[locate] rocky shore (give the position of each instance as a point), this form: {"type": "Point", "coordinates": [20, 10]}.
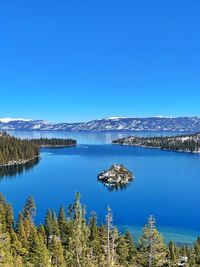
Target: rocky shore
{"type": "Point", "coordinates": [18, 162]}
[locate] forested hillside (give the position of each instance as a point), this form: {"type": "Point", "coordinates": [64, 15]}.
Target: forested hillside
{"type": "Point", "coordinates": [187, 143]}
{"type": "Point", "coordinates": [71, 241]}
{"type": "Point", "coordinates": [54, 142]}
{"type": "Point", "coordinates": [15, 150]}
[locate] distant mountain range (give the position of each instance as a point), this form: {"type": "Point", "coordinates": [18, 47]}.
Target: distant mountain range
{"type": "Point", "coordinates": [167, 124]}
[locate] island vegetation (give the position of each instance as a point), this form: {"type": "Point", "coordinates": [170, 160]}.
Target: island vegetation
{"type": "Point", "coordinates": [16, 151]}
{"type": "Point", "coordinates": [72, 241]}
{"type": "Point", "coordinates": [115, 177]}
{"type": "Point", "coordinates": [182, 143]}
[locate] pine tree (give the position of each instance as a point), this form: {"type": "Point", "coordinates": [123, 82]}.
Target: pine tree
{"type": "Point", "coordinates": [41, 232]}
{"type": "Point", "coordinates": [43, 253]}
{"type": "Point", "coordinates": [21, 234]}
{"type": "Point", "coordinates": [114, 246]}
{"type": "Point", "coordinates": [9, 217]}
{"type": "Point", "coordinates": [192, 259]}
{"type": "Point", "coordinates": [2, 200]}
{"type": "Point", "coordinates": [123, 251]}
{"type": "Point", "coordinates": [6, 259]}
{"type": "Point", "coordinates": [48, 225]}
{"type": "Point", "coordinates": [72, 242]}
{"type": "Point", "coordinates": [56, 250]}
{"type": "Point", "coordinates": [32, 247]}
{"type": "Point", "coordinates": [110, 244]}
{"type": "Point", "coordinates": [197, 251]}
{"type": "Point", "coordinates": [109, 219]}
{"type": "Point", "coordinates": [151, 249]}
{"type": "Point", "coordinates": [55, 230]}
{"type": "Point", "coordinates": [29, 210]}
{"type": "Point", "coordinates": [78, 249]}
{"type": "Point", "coordinates": [3, 218]}
{"type": "Point", "coordinates": [18, 252]}
{"type": "Point", "coordinates": [38, 254]}
{"type": "Point", "coordinates": [62, 224]}
{"type": "Point", "coordinates": [131, 247]}
{"type": "Point", "coordinates": [94, 240]}
{"type": "Point", "coordinates": [103, 242]}
{"type": "Point", "coordinates": [173, 253]}
{"type": "Point", "coordinates": [28, 225]}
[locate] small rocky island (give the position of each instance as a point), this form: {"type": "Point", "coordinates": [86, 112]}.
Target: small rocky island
{"type": "Point", "coordinates": [116, 176]}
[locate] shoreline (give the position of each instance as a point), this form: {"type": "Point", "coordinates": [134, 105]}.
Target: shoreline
{"type": "Point", "coordinates": [156, 147]}
{"type": "Point", "coordinates": [20, 162]}
{"type": "Point", "coordinates": [57, 146]}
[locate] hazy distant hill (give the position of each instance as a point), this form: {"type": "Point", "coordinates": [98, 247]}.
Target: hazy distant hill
{"type": "Point", "coordinates": [179, 124]}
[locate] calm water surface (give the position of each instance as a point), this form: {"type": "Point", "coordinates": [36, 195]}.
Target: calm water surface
{"type": "Point", "coordinates": [166, 184]}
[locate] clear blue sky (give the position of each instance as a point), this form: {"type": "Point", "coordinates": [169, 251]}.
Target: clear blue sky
{"type": "Point", "coordinates": [79, 60]}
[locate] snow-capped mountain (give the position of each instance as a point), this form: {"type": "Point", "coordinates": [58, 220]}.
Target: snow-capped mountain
{"type": "Point", "coordinates": [179, 124]}
{"type": "Point", "coordinates": [6, 120]}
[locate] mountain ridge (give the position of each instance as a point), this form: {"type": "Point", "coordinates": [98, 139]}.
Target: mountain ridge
{"type": "Point", "coordinates": [156, 123]}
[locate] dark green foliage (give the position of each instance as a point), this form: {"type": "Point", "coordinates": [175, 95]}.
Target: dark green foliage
{"type": "Point", "coordinates": [131, 247]}
{"type": "Point", "coordinates": [197, 251]}
{"type": "Point", "coordinates": [14, 150]}
{"type": "Point", "coordinates": [21, 234]}
{"type": "Point", "coordinates": [41, 232]}
{"type": "Point", "coordinates": [94, 239]}
{"type": "Point", "coordinates": [72, 242]}
{"type": "Point", "coordinates": [54, 142]}
{"type": "Point", "coordinates": [173, 252]}
{"type": "Point", "coordinates": [29, 210]}
{"type": "Point", "coordinates": [56, 252]}
{"type": "Point", "coordinates": [63, 226]}
{"type": "Point", "coordinates": [48, 225]}
{"type": "Point", "coordinates": [151, 248]}
{"type": "Point", "coordinates": [38, 254]}
{"type": "Point", "coordinates": [9, 218]}
{"type": "Point", "coordinates": [188, 143]}
{"type": "Point", "coordinates": [78, 250]}
{"type": "Point", "coordinates": [123, 251]}
{"type": "Point", "coordinates": [55, 228]}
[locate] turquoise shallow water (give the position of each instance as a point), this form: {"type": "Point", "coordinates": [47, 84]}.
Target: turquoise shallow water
{"type": "Point", "coordinates": [166, 184]}
{"type": "Point", "coordinates": [175, 234]}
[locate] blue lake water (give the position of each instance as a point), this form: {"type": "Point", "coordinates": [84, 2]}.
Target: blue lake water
{"type": "Point", "coordinates": [166, 183]}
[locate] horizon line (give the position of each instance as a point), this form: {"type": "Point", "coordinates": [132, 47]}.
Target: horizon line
{"type": "Point", "coordinates": [9, 119]}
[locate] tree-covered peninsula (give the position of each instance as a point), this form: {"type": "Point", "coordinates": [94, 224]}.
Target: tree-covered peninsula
{"type": "Point", "coordinates": [182, 143]}
{"type": "Point", "coordinates": [54, 142]}
{"type": "Point", "coordinates": [69, 240]}
{"type": "Point", "coordinates": [15, 151]}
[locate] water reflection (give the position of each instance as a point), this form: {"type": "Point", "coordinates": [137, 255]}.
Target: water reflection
{"type": "Point", "coordinates": [116, 187]}
{"type": "Point", "coordinates": [87, 137]}
{"type": "Point", "coordinates": [13, 170]}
